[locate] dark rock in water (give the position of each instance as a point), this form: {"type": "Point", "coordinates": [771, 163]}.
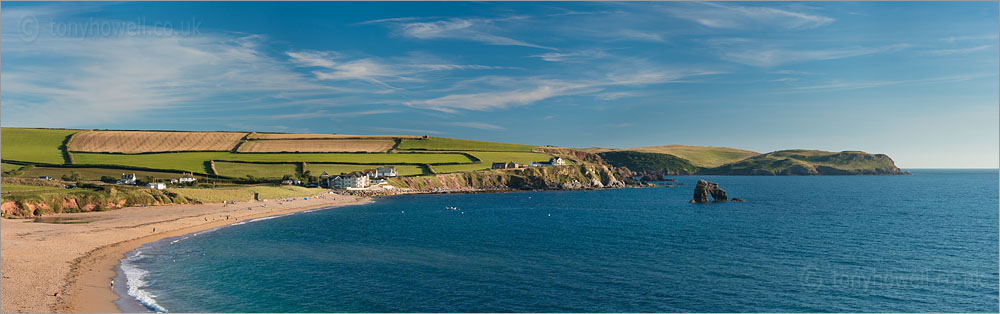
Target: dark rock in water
{"type": "Point", "coordinates": [704, 188]}
{"type": "Point", "coordinates": [737, 200]}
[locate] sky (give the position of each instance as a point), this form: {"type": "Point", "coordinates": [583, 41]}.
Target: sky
{"type": "Point", "coordinates": [917, 81]}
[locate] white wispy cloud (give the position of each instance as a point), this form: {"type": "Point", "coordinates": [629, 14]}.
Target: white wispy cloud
{"type": "Point", "coordinates": [380, 71]}
{"type": "Point", "coordinates": [770, 54]}
{"type": "Point", "coordinates": [94, 80]}
{"type": "Point", "coordinates": [854, 85]}
{"type": "Point", "coordinates": [323, 114]}
{"type": "Point", "coordinates": [471, 29]}
{"type": "Point", "coordinates": [943, 52]}
{"type": "Point", "coordinates": [990, 37]}
{"type": "Point", "coordinates": [525, 91]}
{"type": "Point", "coordinates": [478, 125]}
{"type": "Point", "coordinates": [403, 130]}
{"type": "Point", "coordinates": [730, 16]}
{"type": "Point", "coordinates": [574, 56]}
{"type": "Point", "coordinates": [489, 100]}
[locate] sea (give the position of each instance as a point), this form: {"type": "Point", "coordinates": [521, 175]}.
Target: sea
{"type": "Point", "coordinates": [926, 242]}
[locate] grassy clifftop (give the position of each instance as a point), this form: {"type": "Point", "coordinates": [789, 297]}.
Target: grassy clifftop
{"type": "Point", "coordinates": [810, 162]}
{"type": "Point", "coordinates": [700, 156]}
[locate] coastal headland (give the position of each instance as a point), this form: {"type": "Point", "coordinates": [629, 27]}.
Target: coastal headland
{"type": "Point", "coordinates": [74, 255]}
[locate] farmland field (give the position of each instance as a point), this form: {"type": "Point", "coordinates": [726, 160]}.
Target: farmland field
{"type": "Point", "coordinates": [9, 167]}
{"type": "Point", "coordinates": [15, 188]}
{"type": "Point", "coordinates": [219, 195]}
{"type": "Point", "coordinates": [489, 158]}
{"type": "Point", "coordinates": [195, 161]}
{"type": "Point", "coordinates": [33, 145]}
{"type": "Point", "coordinates": [145, 142]}
{"type": "Point", "coordinates": [317, 145]}
{"type": "Point", "coordinates": [444, 143]}
{"type": "Point", "coordinates": [94, 173]}
{"type": "Point", "coordinates": [322, 136]}
{"type": "Point", "coordinates": [337, 169]}
{"type": "Point", "coordinates": [236, 169]}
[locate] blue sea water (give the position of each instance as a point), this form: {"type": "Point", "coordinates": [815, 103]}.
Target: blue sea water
{"type": "Point", "coordinates": [921, 243]}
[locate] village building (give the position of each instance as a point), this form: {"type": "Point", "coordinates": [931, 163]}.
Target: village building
{"type": "Point", "coordinates": [384, 172]}
{"type": "Point", "coordinates": [187, 178]}
{"type": "Point", "coordinates": [554, 161]}
{"type": "Point", "coordinates": [156, 185]}
{"type": "Point", "coordinates": [127, 178]}
{"type": "Point", "coordinates": [351, 181]}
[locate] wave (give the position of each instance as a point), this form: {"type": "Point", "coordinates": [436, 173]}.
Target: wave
{"type": "Point", "coordinates": [135, 281]}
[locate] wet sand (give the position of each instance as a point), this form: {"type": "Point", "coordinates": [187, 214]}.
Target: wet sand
{"type": "Point", "coordinates": [78, 260]}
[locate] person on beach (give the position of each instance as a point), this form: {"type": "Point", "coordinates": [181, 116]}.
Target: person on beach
{"type": "Point", "coordinates": [112, 284]}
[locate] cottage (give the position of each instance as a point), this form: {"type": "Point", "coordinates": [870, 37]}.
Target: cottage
{"type": "Point", "coordinates": [156, 185]}
{"type": "Point", "coordinates": [187, 178]}
{"type": "Point", "coordinates": [384, 172]}
{"type": "Point", "coordinates": [127, 179]}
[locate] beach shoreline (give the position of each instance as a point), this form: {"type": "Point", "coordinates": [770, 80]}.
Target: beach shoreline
{"type": "Point", "coordinates": [79, 260]}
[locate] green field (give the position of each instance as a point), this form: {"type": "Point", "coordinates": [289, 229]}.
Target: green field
{"type": "Point", "coordinates": [94, 173]}
{"type": "Point", "coordinates": [701, 156]}
{"type": "Point", "coordinates": [453, 144]}
{"type": "Point", "coordinates": [196, 161]}
{"type": "Point", "coordinates": [33, 145]}
{"type": "Point", "coordinates": [236, 169]}
{"type": "Point", "coordinates": [9, 167]}
{"type": "Point", "coordinates": [337, 169]}
{"type": "Point", "coordinates": [219, 195]}
{"type": "Point", "coordinates": [16, 188]}
{"type": "Point", "coordinates": [489, 158]}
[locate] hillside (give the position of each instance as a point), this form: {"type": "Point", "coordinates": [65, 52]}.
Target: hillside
{"type": "Point", "coordinates": [649, 162]}
{"type": "Point", "coordinates": [810, 162]}
{"type": "Point", "coordinates": [701, 156]}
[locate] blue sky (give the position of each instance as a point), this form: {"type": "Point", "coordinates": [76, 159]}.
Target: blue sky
{"type": "Point", "coordinates": [917, 81]}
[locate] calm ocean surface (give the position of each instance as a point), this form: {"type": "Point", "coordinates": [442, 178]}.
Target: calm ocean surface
{"type": "Point", "coordinates": [921, 243]}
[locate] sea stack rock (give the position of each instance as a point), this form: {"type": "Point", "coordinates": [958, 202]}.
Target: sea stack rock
{"type": "Point", "coordinates": [704, 188]}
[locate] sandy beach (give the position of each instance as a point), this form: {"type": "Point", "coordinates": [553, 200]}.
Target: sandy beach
{"type": "Point", "coordinates": [77, 261]}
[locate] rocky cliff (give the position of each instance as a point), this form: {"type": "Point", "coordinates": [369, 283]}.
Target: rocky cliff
{"type": "Point", "coordinates": [570, 177]}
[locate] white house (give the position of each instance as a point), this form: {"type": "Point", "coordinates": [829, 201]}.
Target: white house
{"type": "Point", "coordinates": [354, 180]}
{"type": "Point", "coordinates": [554, 161]}
{"type": "Point", "coordinates": [156, 185]}
{"type": "Point", "coordinates": [127, 179]}
{"type": "Point", "coordinates": [388, 171]}
{"type": "Point", "coordinates": [187, 178]}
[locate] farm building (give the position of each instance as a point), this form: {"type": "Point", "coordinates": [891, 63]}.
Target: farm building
{"type": "Point", "coordinates": [127, 178]}
{"type": "Point", "coordinates": [156, 185]}
{"type": "Point", "coordinates": [354, 181]}
{"type": "Point", "coordinates": [554, 161]}
{"type": "Point", "coordinates": [507, 165]}
{"type": "Point", "coordinates": [187, 178]}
